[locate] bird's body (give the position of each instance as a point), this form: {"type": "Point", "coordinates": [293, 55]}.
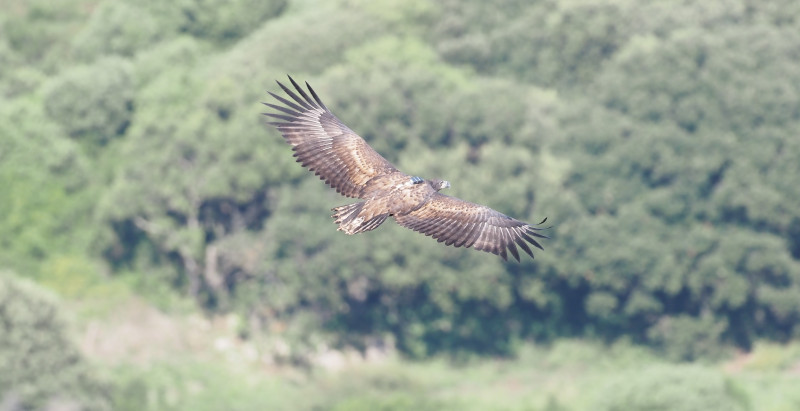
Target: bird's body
{"type": "Point", "coordinates": [390, 195]}
{"type": "Point", "coordinates": [341, 158]}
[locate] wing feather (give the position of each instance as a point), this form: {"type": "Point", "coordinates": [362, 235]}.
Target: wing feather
{"type": "Point", "coordinates": [294, 97]}
{"type": "Point", "coordinates": [528, 238]}
{"type": "Point", "coordinates": [323, 144]}
{"type": "Point", "coordinates": [524, 246]}
{"type": "Point", "coordinates": [282, 108]}
{"type": "Point", "coordinates": [316, 97]}
{"type": "Point", "coordinates": [288, 103]}
{"type": "Point", "coordinates": [470, 234]}
{"type": "Point", "coordinates": [460, 223]}
{"type": "Point", "coordinates": [280, 116]}
{"type": "Point", "coordinates": [512, 247]}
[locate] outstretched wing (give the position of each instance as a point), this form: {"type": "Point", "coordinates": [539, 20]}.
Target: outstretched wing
{"type": "Point", "coordinates": [324, 144]}
{"type": "Point", "coordinates": [460, 223]}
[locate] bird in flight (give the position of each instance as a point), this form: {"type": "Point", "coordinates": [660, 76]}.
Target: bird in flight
{"type": "Point", "coordinates": [334, 152]}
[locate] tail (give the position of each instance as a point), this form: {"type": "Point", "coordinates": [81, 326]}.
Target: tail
{"type": "Point", "coordinates": [349, 221]}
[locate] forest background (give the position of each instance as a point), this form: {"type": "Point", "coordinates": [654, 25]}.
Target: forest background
{"type": "Point", "coordinates": [160, 248]}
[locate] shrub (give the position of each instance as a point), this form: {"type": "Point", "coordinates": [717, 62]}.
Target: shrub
{"type": "Point", "coordinates": [116, 28]}
{"type": "Point", "coordinates": [39, 363]}
{"type": "Point", "coordinates": [688, 338]}
{"type": "Point", "coordinates": [92, 102]}
{"type": "Point", "coordinates": [685, 388]}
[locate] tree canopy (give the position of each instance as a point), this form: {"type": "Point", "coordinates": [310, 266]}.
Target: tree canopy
{"type": "Point", "coordinates": [659, 138]}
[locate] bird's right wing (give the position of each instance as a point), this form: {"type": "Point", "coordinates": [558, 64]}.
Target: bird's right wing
{"type": "Point", "coordinates": [324, 145]}
{"type": "Point", "coordinates": [460, 223]}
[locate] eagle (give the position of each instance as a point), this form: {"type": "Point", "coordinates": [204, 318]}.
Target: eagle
{"type": "Point", "coordinates": [340, 157]}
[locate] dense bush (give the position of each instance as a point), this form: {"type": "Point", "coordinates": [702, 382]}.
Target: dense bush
{"type": "Point", "coordinates": [40, 31]}
{"type": "Point", "coordinates": [94, 102]}
{"type": "Point", "coordinates": [40, 365]}
{"type": "Point", "coordinates": [658, 138]}
{"type": "Point", "coordinates": [225, 20]}
{"type": "Point", "coordinates": [46, 201]}
{"type": "Point", "coordinates": [117, 28]}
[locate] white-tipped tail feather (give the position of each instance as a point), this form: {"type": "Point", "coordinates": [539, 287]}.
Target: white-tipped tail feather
{"type": "Point", "coordinates": [349, 220]}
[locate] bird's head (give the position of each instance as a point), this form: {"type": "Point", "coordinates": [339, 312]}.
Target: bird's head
{"type": "Point", "coordinates": [439, 184]}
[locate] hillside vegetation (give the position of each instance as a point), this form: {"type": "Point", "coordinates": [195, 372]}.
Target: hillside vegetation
{"type": "Point", "coordinates": [659, 138]}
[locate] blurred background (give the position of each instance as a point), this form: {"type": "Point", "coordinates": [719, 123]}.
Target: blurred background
{"type": "Point", "coordinates": [161, 250]}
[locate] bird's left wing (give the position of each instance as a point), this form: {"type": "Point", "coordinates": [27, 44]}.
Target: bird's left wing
{"type": "Point", "coordinates": [460, 223]}
{"type": "Point", "coordinates": [324, 144]}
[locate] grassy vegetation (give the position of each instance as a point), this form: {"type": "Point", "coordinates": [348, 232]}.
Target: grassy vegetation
{"type": "Point", "coordinates": [568, 375]}
{"type": "Point", "coordinates": [174, 358]}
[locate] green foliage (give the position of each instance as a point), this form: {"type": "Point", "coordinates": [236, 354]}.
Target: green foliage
{"type": "Point", "coordinates": [387, 403]}
{"type": "Point", "coordinates": [128, 27]}
{"type": "Point", "coordinates": [545, 42]}
{"type": "Point", "coordinates": [225, 20]}
{"type": "Point", "coordinates": [182, 384]}
{"type": "Point", "coordinates": [40, 31]}
{"type": "Point", "coordinates": [685, 338]}
{"type": "Point", "coordinates": [712, 77]}
{"type": "Point", "coordinates": [569, 374]}
{"type": "Point", "coordinates": [658, 139]}
{"type": "Point", "coordinates": [45, 191]}
{"type": "Point", "coordinates": [674, 388]}
{"type": "Point", "coordinates": [319, 38]}
{"type": "Point", "coordinates": [117, 28]}
{"type": "Point", "coordinates": [149, 64]}
{"type": "Point", "coordinates": [93, 103]}
{"type": "Point", "coordinates": [40, 363]}
{"type": "Point", "coordinates": [9, 59]}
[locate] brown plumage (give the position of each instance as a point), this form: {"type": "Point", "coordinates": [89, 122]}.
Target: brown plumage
{"type": "Point", "coordinates": [323, 144]}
